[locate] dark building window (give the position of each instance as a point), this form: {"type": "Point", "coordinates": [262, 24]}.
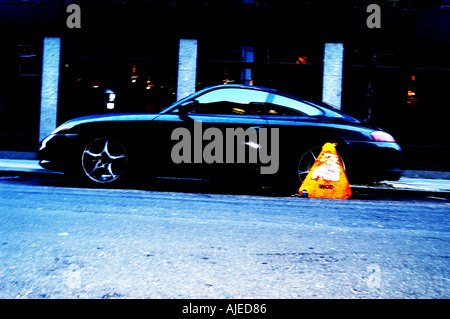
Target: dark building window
{"type": "Point", "coordinates": [142, 77]}
{"type": "Point", "coordinates": [20, 62]}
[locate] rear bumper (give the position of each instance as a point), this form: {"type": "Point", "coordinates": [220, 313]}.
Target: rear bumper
{"type": "Point", "coordinates": [374, 160]}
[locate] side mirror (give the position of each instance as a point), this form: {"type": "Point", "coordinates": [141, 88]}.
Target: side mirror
{"type": "Point", "coordinates": [186, 107]}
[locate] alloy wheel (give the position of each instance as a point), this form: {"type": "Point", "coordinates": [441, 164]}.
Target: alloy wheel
{"type": "Point", "coordinates": [104, 160]}
{"type": "Point", "coordinates": [307, 161]}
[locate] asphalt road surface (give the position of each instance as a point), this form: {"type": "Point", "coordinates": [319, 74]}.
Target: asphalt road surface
{"type": "Point", "coordinates": [60, 241]}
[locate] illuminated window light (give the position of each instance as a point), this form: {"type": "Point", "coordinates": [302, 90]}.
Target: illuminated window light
{"type": "Point", "coordinates": [412, 86]}
{"type": "Point", "coordinates": [302, 60]}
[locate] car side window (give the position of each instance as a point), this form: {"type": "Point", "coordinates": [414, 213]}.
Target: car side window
{"type": "Point", "coordinates": [230, 101]}
{"type": "Point", "coordinates": [277, 110]}
{"type": "Point", "coordinates": [283, 105]}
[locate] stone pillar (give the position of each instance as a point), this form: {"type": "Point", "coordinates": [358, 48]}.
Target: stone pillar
{"type": "Point", "coordinates": [51, 54]}
{"type": "Point", "coordinates": [247, 56]}
{"type": "Point", "coordinates": [332, 74]}
{"type": "Point", "coordinates": [187, 68]}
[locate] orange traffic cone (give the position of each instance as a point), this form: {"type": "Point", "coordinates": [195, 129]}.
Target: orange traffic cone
{"type": "Point", "coordinates": [326, 179]}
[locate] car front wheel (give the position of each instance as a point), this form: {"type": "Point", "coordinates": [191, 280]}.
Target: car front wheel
{"type": "Point", "coordinates": [104, 161]}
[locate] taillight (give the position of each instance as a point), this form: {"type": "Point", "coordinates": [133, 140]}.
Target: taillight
{"type": "Point", "coordinates": [381, 136]}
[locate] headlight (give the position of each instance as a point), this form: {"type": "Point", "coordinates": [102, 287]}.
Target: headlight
{"type": "Point", "coordinates": [64, 128]}
{"type": "Point", "coordinates": [61, 129]}
{"type": "Point", "coordinates": [44, 141]}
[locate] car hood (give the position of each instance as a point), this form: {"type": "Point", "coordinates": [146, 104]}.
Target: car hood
{"type": "Point", "coordinates": [113, 117]}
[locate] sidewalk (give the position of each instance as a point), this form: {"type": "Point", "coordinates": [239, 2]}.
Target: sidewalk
{"type": "Point", "coordinates": [408, 186]}
{"type": "Point", "coordinates": [413, 183]}
{"type": "Point", "coordinates": [23, 167]}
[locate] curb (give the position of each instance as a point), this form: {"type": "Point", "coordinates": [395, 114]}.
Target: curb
{"type": "Point", "coordinates": [30, 172]}
{"type": "Point", "coordinates": [34, 170]}
{"type": "Point", "coordinates": [371, 190]}
{"type": "Point", "coordinates": [25, 168]}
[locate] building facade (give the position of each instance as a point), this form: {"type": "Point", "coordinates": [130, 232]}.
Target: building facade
{"type": "Point", "coordinates": [60, 61]}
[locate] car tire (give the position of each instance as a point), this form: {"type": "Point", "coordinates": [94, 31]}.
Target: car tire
{"type": "Point", "coordinates": [299, 168]}
{"type": "Point", "coordinates": [307, 160]}
{"type": "Point", "coordinates": [104, 161]}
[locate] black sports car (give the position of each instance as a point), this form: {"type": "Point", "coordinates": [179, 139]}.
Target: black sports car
{"type": "Point", "coordinates": [225, 130]}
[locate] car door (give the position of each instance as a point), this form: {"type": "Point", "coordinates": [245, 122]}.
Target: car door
{"type": "Point", "coordinates": [299, 123]}
{"type": "Point", "coordinates": [207, 139]}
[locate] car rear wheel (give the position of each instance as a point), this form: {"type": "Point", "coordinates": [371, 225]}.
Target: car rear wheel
{"type": "Point", "coordinates": [104, 161]}
{"type": "Point", "coordinates": [307, 160]}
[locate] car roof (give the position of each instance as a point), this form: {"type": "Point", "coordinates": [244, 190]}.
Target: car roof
{"type": "Point", "coordinates": [258, 88]}
{"type": "Point", "coordinates": [328, 110]}
{"type": "Point", "coordinates": [240, 86]}
{"type": "Point", "coordinates": [224, 86]}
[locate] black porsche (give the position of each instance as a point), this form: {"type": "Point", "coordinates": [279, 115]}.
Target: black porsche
{"type": "Point", "coordinates": [235, 131]}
